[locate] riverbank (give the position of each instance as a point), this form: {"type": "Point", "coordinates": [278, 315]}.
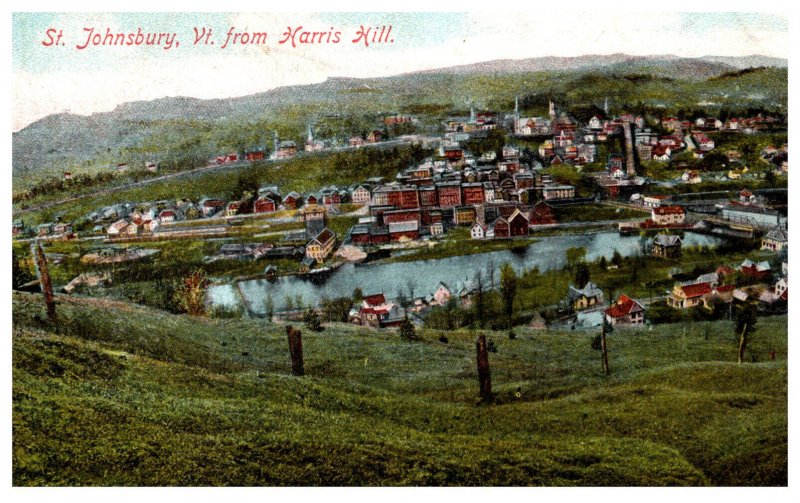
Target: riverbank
{"type": "Point", "coordinates": [396, 278]}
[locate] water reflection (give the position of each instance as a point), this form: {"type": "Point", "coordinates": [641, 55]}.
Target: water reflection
{"type": "Point", "coordinates": [393, 278]}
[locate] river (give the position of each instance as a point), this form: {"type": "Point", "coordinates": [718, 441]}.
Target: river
{"type": "Point", "coordinates": [391, 278]}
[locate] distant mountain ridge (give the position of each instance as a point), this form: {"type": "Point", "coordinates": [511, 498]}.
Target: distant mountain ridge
{"type": "Point", "coordinates": [594, 61]}
{"type": "Point", "coordinates": [752, 61]}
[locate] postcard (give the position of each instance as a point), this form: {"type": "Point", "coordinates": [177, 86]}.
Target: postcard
{"type": "Point", "coordinates": [479, 248]}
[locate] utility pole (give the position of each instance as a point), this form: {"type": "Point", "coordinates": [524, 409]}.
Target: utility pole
{"type": "Point", "coordinates": [604, 347]}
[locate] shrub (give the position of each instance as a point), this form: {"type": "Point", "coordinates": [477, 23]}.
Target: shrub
{"type": "Point", "coordinates": [407, 330]}
{"type": "Point", "coordinates": [311, 320]}
{"type": "Point", "coordinates": [190, 296]}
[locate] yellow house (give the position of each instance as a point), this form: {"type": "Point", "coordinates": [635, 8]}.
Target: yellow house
{"type": "Point", "coordinates": [686, 296]}
{"type": "Point", "coordinates": [322, 245]}
{"type": "Point", "coordinates": [588, 296]}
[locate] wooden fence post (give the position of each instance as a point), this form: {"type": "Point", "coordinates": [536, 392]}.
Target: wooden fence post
{"type": "Point", "coordinates": [44, 281]}
{"type": "Point", "coordinates": [295, 350]}
{"type": "Point", "coordinates": [604, 348]}
{"type": "Point", "coordinates": [484, 376]}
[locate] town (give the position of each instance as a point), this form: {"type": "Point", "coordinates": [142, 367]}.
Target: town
{"type": "Point", "coordinates": [490, 181]}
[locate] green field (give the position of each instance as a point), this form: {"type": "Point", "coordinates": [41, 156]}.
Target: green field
{"type": "Point", "coordinates": [119, 394]}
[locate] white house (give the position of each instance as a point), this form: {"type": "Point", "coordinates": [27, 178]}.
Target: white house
{"type": "Point", "coordinates": [488, 192]}
{"type": "Point", "coordinates": [478, 231]}
{"type": "Point", "coordinates": [361, 195]}
{"type": "Point", "coordinates": [117, 227]}
{"type": "Point", "coordinates": [781, 286]}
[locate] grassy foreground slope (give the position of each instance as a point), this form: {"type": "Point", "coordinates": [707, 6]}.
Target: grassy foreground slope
{"type": "Point", "coordinates": [125, 395]}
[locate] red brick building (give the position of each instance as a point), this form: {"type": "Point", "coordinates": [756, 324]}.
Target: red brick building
{"type": "Point", "coordinates": [449, 194]}
{"type": "Point", "coordinates": [403, 230]}
{"type": "Point", "coordinates": [403, 197]}
{"type": "Point", "coordinates": [427, 197]}
{"type": "Point", "coordinates": [404, 215]}
{"type": "Point", "coordinates": [472, 193]}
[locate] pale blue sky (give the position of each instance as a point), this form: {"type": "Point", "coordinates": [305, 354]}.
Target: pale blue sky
{"type": "Point", "coordinates": [52, 79]}
{"type": "Point", "coordinates": [415, 29]}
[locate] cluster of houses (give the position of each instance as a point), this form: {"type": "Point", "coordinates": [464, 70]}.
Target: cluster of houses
{"type": "Point", "coordinates": [376, 311]}
{"type": "Point", "coordinates": [311, 246]}
{"type": "Point", "coordinates": [589, 300]}
{"type": "Point", "coordinates": [284, 149]}
{"type": "Point", "coordinates": [747, 125]}
{"type": "Point", "coordinates": [777, 156]}
{"type": "Point", "coordinates": [567, 143]}
{"type": "Point", "coordinates": [766, 288]}
{"type": "Point", "coordinates": [47, 231]}
{"type": "Point", "coordinates": [769, 290]}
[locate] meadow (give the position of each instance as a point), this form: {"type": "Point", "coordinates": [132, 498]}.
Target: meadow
{"type": "Point", "coordinates": [119, 394]}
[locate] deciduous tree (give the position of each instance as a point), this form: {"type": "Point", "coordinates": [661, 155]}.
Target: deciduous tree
{"type": "Point", "coordinates": [508, 289]}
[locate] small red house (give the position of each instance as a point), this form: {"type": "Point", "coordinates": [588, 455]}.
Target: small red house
{"type": "Point", "coordinates": [542, 214]}
{"type": "Point", "coordinates": [291, 201]}
{"type": "Point", "coordinates": [264, 205]}
{"type": "Point", "coordinates": [518, 224]}
{"type": "Point", "coordinates": [254, 156]}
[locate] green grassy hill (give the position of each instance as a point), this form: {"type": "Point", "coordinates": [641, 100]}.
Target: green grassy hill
{"type": "Point", "coordinates": [125, 395]}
